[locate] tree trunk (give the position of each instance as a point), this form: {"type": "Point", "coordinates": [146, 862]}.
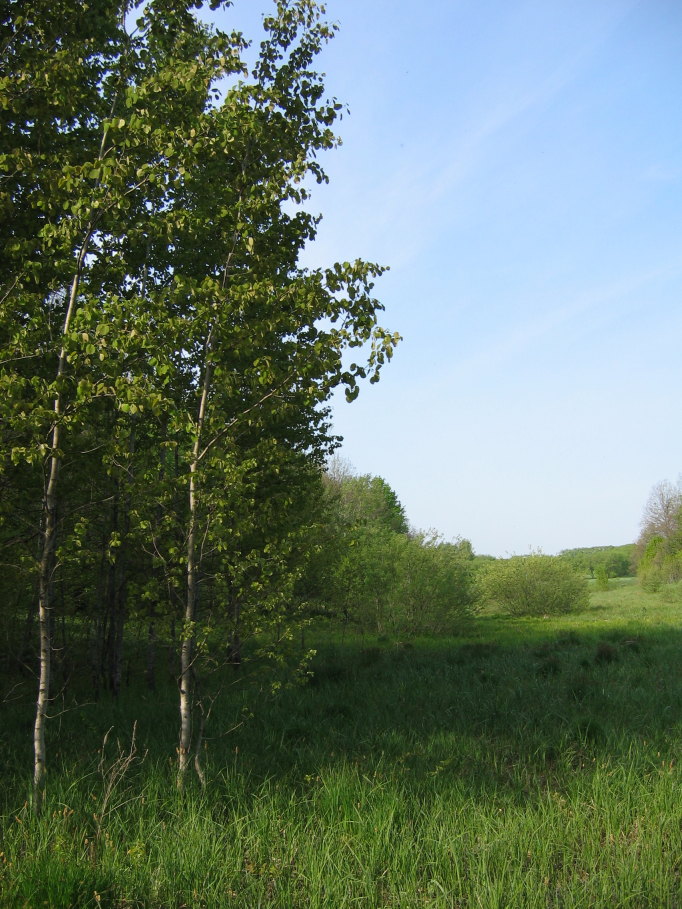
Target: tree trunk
{"type": "Point", "coordinates": [96, 649]}
{"type": "Point", "coordinates": [188, 632]}
{"type": "Point", "coordinates": [45, 626]}
{"type": "Point", "coordinates": [49, 525]}
{"type": "Point", "coordinates": [46, 561]}
{"type": "Point", "coordinates": [187, 643]}
{"type": "Point", "coordinates": [116, 615]}
{"type": "Point", "coordinates": [25, 650]}
{"type": "Point", "coordinates": [116, 628]}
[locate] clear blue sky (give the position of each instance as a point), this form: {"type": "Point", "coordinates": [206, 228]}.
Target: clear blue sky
{"type": "Point", "coordinates": [518, 165]}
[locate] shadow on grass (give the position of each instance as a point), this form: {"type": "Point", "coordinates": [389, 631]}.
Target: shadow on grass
{"type": "Point", "coordinates": [490, 715]}
{"type": "Point", "coordinates": [487, 714]}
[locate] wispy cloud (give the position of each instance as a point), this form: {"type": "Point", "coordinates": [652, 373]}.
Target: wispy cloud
{"type": "Point", "coordinates": [390, 200]}
{"type": "Point", "coordinates": [510, 344]}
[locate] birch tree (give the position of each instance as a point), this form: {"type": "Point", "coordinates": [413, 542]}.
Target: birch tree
{"type": "Point", "coordinates": [85, 175]}
{"type": "Point", "coordinates": [268, 337]}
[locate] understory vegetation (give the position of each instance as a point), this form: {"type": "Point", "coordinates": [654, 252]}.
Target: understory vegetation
{"type": "Point", "coordinates": [530, 762]}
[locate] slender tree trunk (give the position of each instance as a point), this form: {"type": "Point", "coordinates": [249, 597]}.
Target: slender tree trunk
{"type": "Point", "coordinates": [109, 659]}
{"type": "Point", "coordinates": [187, 644]}
{"type": "Point", "coordinates": [46, 560]}
{"type": "Point", "coordinates": [49, 525]}
{"type": "Point", "coordinates": [116, 628]}
{"type": "Point", "coordinates": [188, 634]}
{"type": "Point", "coordinates": [120, 613]}
{"type": "Point", "coordinates": [44, 622]}
{"type": "Point", "coordinates": [95, 649]}
{"type": "Point", "coordinates": [112, 669]}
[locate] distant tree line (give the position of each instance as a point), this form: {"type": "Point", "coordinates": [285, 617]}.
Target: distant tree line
{"type": "Point", "coordinates": [613, 561]}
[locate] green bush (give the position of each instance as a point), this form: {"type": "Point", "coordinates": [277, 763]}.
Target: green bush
{"type": "Point", "coordinates": [432, 591]}
{"type": "Point", "coordinates": [533, 585]}
{"type": "Point", "coordinates": [660, 564]}
{"type": "Point", "coordinates": [602, 577]}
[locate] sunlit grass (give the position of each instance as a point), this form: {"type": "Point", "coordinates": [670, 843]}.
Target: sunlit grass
{"type": "Point", "coordinates": [533, 763]}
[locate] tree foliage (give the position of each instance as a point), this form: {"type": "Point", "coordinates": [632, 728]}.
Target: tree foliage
{"type": "Point", "coordinates": [370, 501]}
{"type": "Point", "coordinates": [616, 561]}
{"type": "Point", "coordinates": [371, 572]}
{"type": "Point", "coordinates": [659, 547]}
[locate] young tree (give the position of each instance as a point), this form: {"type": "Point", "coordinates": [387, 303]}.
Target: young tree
{"type": "Point", "coordinates": [56, 95]}
{"type": "Point", "coordinates": [267, 337]}
{"type": "Point", "coordinates": [602, 577]}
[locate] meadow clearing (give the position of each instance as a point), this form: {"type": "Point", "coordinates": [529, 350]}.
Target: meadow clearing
{"type": "Point", "coordinates": [532, 762]}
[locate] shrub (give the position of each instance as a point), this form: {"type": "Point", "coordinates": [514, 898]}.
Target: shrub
{"type": "Point", "coordinates": [660, 564]}
{"type": "Point", "coordinates": [602, 576]}
{"type": "Point", "coordinates": [533, 585]}
{"type": "Point", "coordinates": [433, 585]}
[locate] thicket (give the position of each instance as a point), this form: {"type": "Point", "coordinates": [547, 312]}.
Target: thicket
{"type": "Point", "coordinates": [372, 573]}
{"type": "Point", "coordinates": [660, 562]}
{"type": "Point", "coordinates": [166, 366]}
{"type": "Point", "coordinates": [533, 585]}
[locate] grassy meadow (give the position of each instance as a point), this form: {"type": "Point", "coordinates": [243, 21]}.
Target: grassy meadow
{"type": "Point", "coordinates": [529, 763]}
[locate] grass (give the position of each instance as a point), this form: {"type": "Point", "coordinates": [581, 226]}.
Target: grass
{"type": "Point", "coordinates": [532, 763]}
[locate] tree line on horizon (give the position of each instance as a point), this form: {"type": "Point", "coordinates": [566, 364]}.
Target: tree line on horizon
{"type": "Point", "coordinates": [608, 561]}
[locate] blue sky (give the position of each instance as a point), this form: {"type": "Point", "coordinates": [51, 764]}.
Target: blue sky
{"type": "Point", "coordinates": [518, 165]}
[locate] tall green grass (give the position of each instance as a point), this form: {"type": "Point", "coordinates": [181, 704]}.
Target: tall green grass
{"type": "Point", "coordinates": [531, 764]}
